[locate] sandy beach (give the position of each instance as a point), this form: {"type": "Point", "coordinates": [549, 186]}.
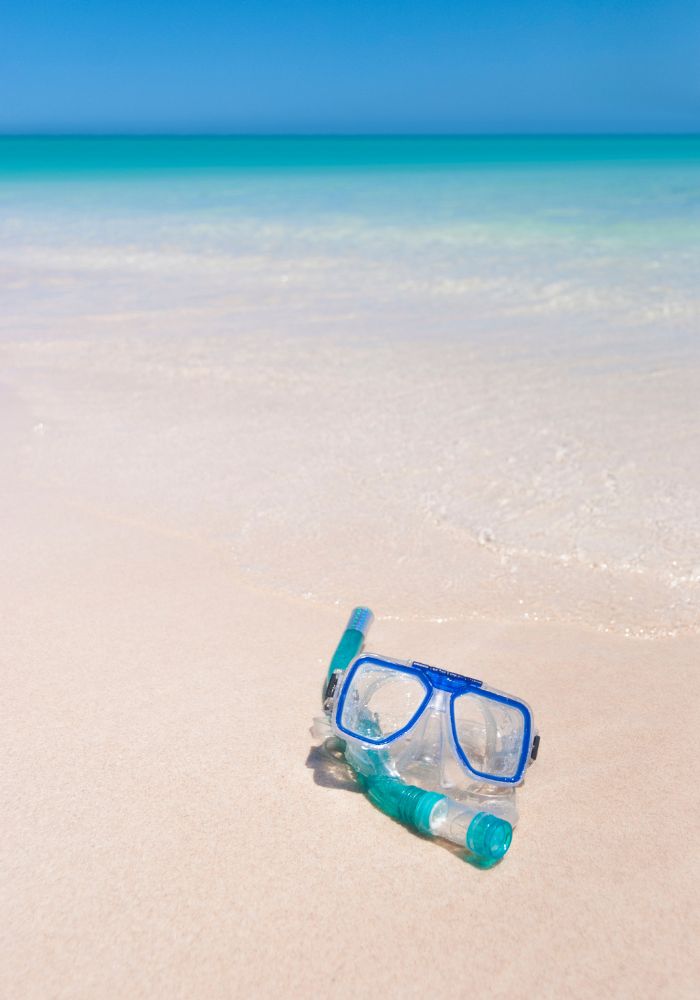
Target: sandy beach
{"type": "Point", "coordinates": [213, 447]}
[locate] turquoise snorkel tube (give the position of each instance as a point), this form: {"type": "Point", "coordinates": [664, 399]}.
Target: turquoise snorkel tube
{"type": "Point", "coordinates": [485, 836]}
{"type": "Point", "coordinates": [351, 641]}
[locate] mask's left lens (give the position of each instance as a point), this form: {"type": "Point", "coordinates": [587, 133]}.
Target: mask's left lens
{"type": "Point", "coordinates": [490, 733]}
{"type": "Point", "coordinates": [380, 701]}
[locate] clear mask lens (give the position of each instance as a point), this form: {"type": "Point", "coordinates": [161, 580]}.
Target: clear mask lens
{"type": "Point", "coordinates": [489, 733]}
{"type": "Point", "coordinates": [380, 702]}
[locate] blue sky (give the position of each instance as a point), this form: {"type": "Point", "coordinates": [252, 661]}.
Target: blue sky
{"type": "Point", "coordinates": [363, 66]}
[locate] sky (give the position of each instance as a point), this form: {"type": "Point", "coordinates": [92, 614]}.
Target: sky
{"type": "Point", "coordinates": [350, 66]}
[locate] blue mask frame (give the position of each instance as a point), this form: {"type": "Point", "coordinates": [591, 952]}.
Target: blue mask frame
{"type": "Point", "coordinates": [433, 678]}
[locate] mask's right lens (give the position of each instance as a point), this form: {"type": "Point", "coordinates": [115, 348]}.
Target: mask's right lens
{"type": "Point", "coordinates": [380, 701]}
{"type": "Point", "coordinates": [490, 733]}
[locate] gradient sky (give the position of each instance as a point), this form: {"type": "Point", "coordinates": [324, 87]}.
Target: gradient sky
{"type": "Point", "coordinates": [344, 66]}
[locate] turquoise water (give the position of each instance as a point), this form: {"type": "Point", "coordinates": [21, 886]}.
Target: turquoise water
{"type": "Point", "coordinates": [555, 243]}
{"type": "Point", "coordinates": [45, 155]}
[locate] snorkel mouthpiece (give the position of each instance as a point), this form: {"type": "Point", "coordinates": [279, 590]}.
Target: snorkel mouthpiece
{"type": "Point", "coordinates": [485, 836]}
{"type": "Point", "coordinates": [489, 837]}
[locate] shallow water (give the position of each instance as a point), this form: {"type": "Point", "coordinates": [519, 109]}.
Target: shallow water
{"type": "Point", "coordinates": [453, 378]}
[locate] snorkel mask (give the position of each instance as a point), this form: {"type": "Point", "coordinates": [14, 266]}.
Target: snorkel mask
{"type": "Point", "coordinates": [438, 751]}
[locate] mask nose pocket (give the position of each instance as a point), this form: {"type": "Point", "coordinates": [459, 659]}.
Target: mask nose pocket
{"type": "Point", "coordinates": [426, 755]}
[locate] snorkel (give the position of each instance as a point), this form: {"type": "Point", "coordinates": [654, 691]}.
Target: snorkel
{"type": "Point", "coordinates": [481, 823]}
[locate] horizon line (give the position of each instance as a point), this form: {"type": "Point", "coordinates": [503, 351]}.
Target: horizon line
{"type": "Point", "coordinates": [221, 134]}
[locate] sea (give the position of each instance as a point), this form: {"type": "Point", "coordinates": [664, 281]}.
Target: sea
{"type": "Point", "coordinates": [473, 360]}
